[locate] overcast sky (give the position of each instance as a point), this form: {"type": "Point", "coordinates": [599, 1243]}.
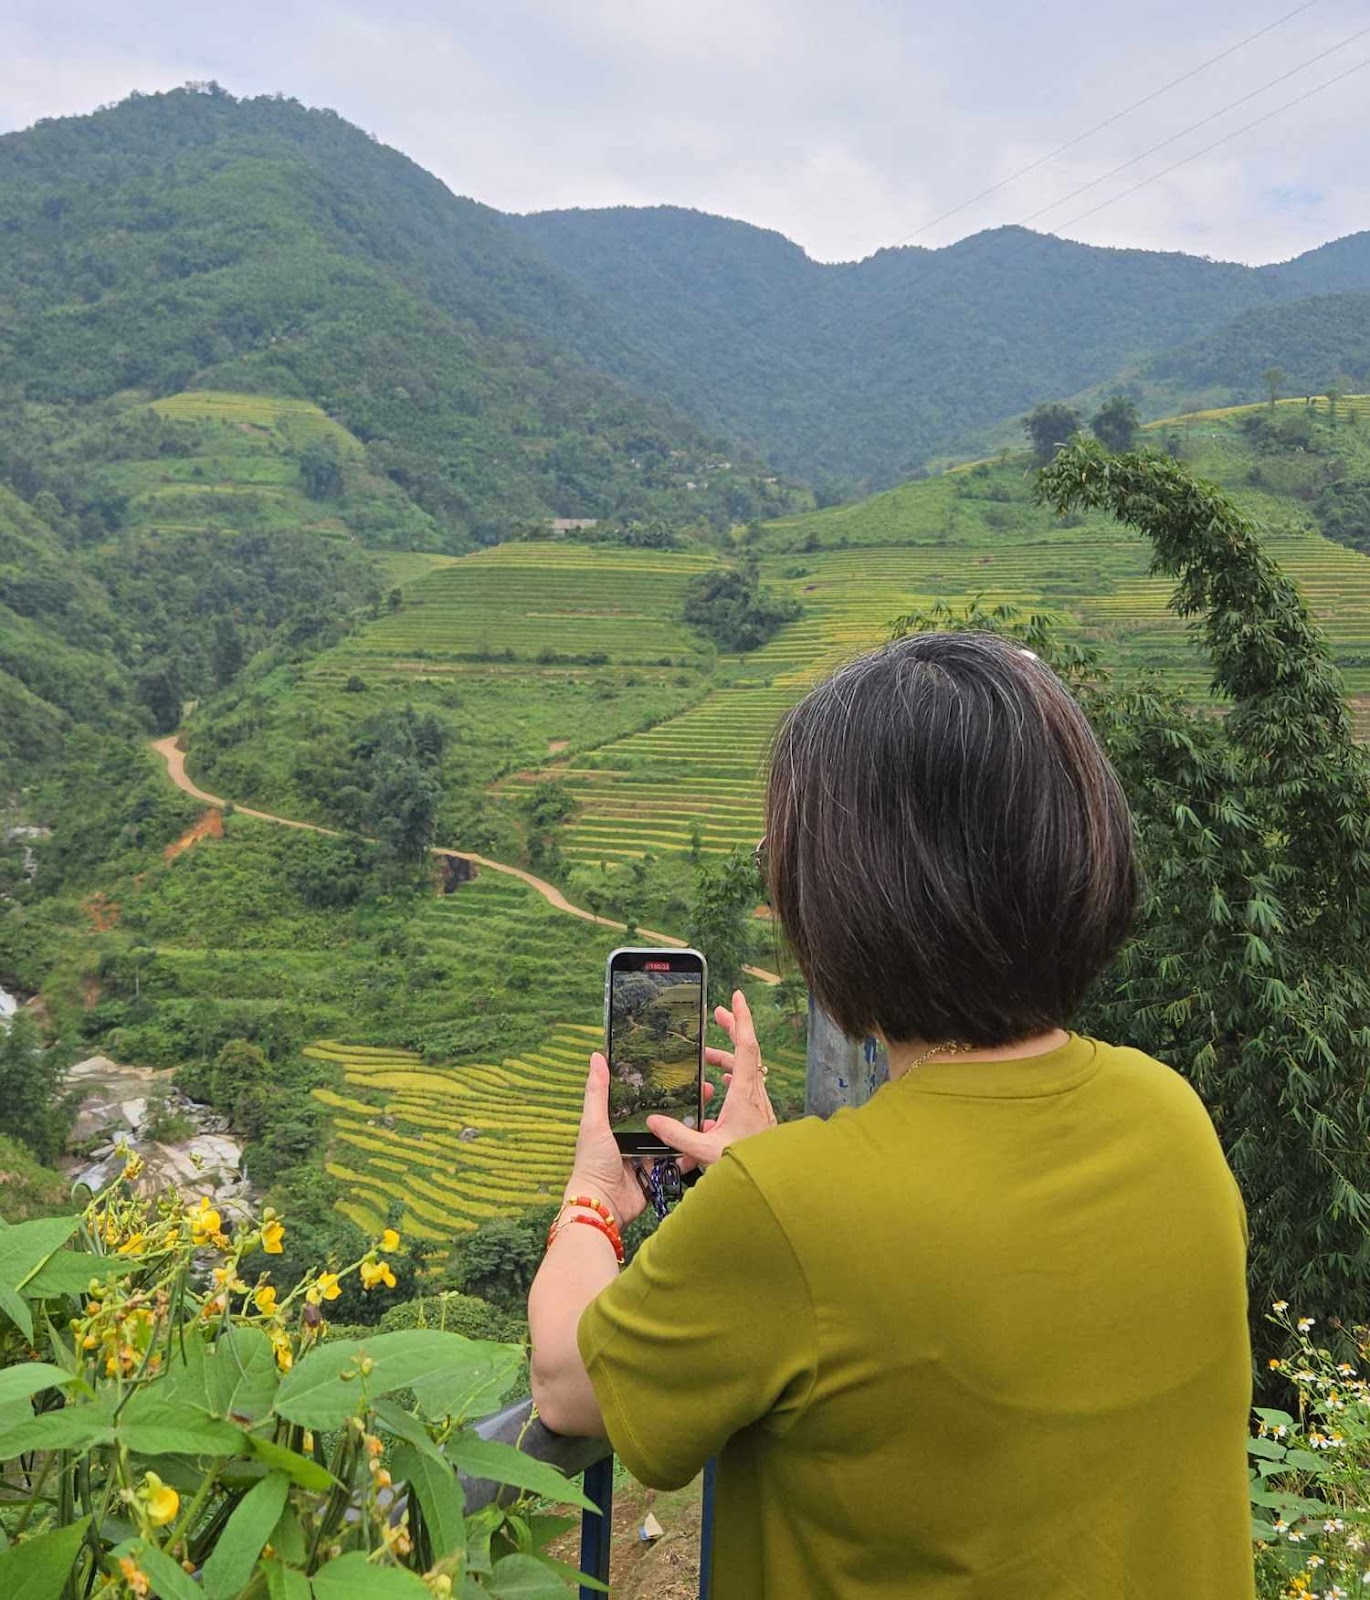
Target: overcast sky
{"type": "Point", "coordinates": [845, 124]}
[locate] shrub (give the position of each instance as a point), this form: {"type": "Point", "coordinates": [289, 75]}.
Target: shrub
{"type": "Point", "coordinates": [1310, 1474]}
{"type": "Point", "coordinates": [200, 1436]}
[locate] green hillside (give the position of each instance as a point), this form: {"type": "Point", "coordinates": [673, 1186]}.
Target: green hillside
{"type": "Point", "coordinates": [569, 663]}
{"type": "Point", "coordinates": [863, 372]}
{"type": "Point", "coordinates": [161, 546]}
{"type": "Point", "coordinates": [191, 240]}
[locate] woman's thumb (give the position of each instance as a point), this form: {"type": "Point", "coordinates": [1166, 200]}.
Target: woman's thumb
{"type": "Point", "coordinates": [688, 1141]}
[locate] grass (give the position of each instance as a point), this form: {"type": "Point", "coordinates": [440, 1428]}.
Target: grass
{"type": "Point", "coordinates": [237, 465]}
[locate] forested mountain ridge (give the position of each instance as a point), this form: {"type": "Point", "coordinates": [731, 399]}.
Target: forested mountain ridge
{"type": "Point", "coordinates": [862, 371]}
{"type": "Point", "coordinates": [191, 238]}
{"type": "Point", "coordinates": [630, 362]}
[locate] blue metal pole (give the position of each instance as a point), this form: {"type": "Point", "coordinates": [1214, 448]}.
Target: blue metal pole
{"type": "Point", "coordinates": [596, 1527]}
{"type": "Point", "coordinates": [706, 1529]}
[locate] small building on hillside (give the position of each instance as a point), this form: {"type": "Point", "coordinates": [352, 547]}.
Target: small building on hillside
{"type": "Point", "coordinates": [572, 524]}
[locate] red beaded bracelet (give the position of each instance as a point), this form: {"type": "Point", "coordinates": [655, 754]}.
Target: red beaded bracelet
{"type": "Point", "coordinates": [606, 1228]}
{"type": "Point", "coordinates": [590, 1205]}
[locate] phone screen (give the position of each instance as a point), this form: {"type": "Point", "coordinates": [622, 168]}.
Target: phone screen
{"type": "Point", "coordinates": [656, 1041]}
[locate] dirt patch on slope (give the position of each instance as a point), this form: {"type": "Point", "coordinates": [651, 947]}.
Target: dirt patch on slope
{"type": "Point", "coordinates": [103, 912]}
{"type": "Point", "coordinates": [209, 825]}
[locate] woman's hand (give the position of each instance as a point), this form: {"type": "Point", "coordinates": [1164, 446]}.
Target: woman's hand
{"type": "Point", "coordinates": [600, 1169]}
{"type": "Point", "coordinates": [746, 1105]}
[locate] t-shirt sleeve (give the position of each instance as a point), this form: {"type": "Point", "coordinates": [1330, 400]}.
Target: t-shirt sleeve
{"type": "Point", "coordinates": [708, 1330]}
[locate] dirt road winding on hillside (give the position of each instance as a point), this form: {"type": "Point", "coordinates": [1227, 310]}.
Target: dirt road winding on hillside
{"type": "Point", "coordinates": [175, 760]}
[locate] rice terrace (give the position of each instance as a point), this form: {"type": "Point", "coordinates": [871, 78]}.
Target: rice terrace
{"type": "Point", "coordinates": [568, 663]}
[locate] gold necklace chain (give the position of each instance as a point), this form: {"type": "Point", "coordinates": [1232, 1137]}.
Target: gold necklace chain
{"type": "Point", "coordinates": [951, 1047]}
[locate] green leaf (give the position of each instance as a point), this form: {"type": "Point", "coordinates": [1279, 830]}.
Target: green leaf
{"type": "Point", "coordinates": [1267, 1448]}
{"type": "Point", "coordinates": [37, 1569]}
{"type": "Point", "coordinates": [440, 1498]}
{"type": "Point", "coordinates": [573, 1576]}
{"type": "Point", "coordinates": [1305, 1461]}
{"type": "Point", "coordinates": [231, 1562]}
{"type": "Point", "coordinates": [26, 1246]}
{"type": "Point", "coordinates": [480, 1529]}
{"type": "Point", "coordinates": [1274, 1419]}
{"type": "Point", "coordinates": [316, 1394]}
{"type": "Point", "coordinates": [18, 1383]}
{"type": "Point", "coordinates": [473, 1385]}
{"type": "Point", "coordinates": [299, 1469]}
{"type": "Point", "coordinates": [167, 1577]}
{"type": "Point", "coordinates": [155, 1427]}
{"type": "Point", "coordinates": [75, 1427]}
{"type": "Point", "coordinates": [487, 1458]}
{"type": "Point", "coordinates": [353, 1577]}
{"type": "Point", "coordinates": [12, 1304]}
{"type": "Point", "coordinates": [521, 1577]}
{"type": "Point", "coordinates": [287, 1538]}
{"type": "Point", "coordinates": [65, 1272]}
{"type": "Point", "coordinates": [240, 1376]}
{"type": "Point", "coordinates": [393, 1418]}
{"type": "Point", "coordinates": [285, 1583]}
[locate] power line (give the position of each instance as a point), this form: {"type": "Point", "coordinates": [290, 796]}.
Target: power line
{"type": "Point", "coordinates": [1227, 138]}
{"type": "Point", "coordinates": [1194, 127]}
{"type": "Point", "coordinates": [1218, 143]}
{"type": "Point", "coordinates": [1109, 121]}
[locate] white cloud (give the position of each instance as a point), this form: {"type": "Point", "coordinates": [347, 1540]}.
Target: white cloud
{"type": "Point", "coordinates": [845, 124]}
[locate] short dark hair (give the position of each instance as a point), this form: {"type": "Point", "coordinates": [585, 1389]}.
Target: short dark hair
{"type": "Point", "coordinates": [948, 849]}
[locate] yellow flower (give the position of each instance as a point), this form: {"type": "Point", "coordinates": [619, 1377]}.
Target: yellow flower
{"type": "Point", "coordinates": [272, 1234]}
{"type": "Point", "coordinates": [326, 1288]}
{"type": "Point", "coordinates": [390, 1240]}
{"type": "Point", "coordinates": [285, 1356]}
{"type": "Point", "coordinates": [134, 1577]}
{"type": "Point", "coordinates": [374, 1272]}
{"type": "Point", "coordinates": [162, 1500]}
{"type": "Point", "coordinates": [133, 1167]}
{"type": "Point", "coordinates": [227, 1278]}
{"type": "Point", "coordinates": [265, 1299]}
{"type": "Point", "coordinates": [205, 1223]}
{"type": "Point", "coordinates": [130, 1245]}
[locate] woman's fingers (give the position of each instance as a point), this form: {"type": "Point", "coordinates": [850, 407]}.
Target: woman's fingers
{"type": "Point", "coordinates": [594, 1115]}
{"type": "Point", "coordinates": [746, 1053]}
{"type": "Point", "coordinates": [706, 1092]}
{"type": "Point", "coordinates": [689, 1141]}
{"type": "Point", "coordinates": [718, 1058]}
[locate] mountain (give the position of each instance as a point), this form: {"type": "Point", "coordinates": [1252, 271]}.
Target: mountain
{"type": "Point", "coordinates": [1314, 342]}
{"type": "Point", "coordinates": [147, 552]}
{"type": "Point", "coordinates": [864, 370]}
{"type": "Point", "coordinates": [191, 239]}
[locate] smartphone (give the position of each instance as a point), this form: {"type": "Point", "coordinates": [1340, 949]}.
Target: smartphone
{"type": "Point", "coordinates": [654, 1039]}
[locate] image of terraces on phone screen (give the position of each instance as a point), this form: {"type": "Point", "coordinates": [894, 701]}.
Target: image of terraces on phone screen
{"type": "Point", "coordinates": [655, 1045]}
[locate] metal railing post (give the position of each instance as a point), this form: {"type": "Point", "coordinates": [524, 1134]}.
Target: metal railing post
{"type": "Point", "coordinates": [597, 1527]}
{"type": "Point", "coordinates": [706, 1530]}
{"type": "Point", "coordinates": [840, 1071]}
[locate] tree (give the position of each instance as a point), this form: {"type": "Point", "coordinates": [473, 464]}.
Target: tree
{"type": "Point", "coordinates": [1334, 394]}
{"type": "Point", "coordinates": [1247, 970]}
{"type": "Point", "coordinates": [34, 1107]}
{"type": "Point", "coordinates": [1274, 380]}
{"type": "Point", "coordinates": [321, 469]}
{"type": "Point", "coordinates": [1115, 423]}
{"type": "Point", "coordinates": [1049, 427]}
{"type": "Point", "coordinates": [497, 1262]}
{"type": "Point", "coordinates": [228, 651]}
{"type": "Point", "coordinates": [726, 894]}
{"type": "Point", "coordinates": [735, 610]}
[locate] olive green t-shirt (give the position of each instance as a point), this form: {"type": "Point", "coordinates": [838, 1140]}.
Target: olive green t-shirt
{"type": "Point", "coordinates": [983, 1338]}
